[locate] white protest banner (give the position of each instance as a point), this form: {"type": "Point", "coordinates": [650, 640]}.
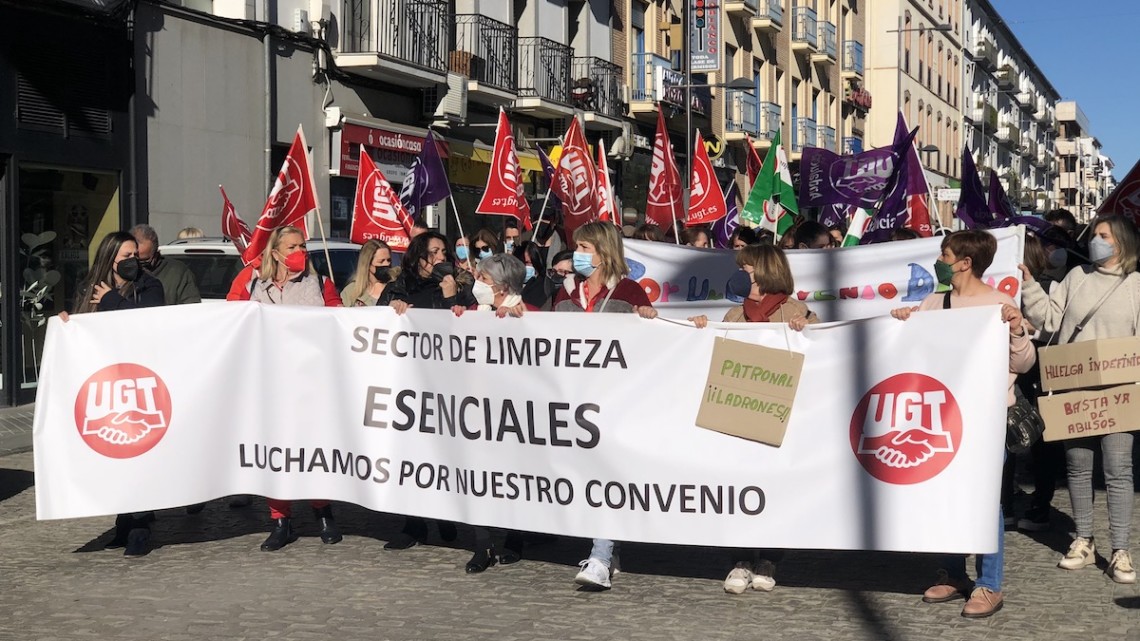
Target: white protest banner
{"type": "Point", "coordinates": [837, 284]}
{"type": "Point", "coordinates": [572, 424]}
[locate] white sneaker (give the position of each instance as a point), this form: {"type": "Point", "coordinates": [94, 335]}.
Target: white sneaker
{"type": "Point", "coordinates": [1082, 553]}
{"type": "Point", "coordinates": [739, 579]}
{"type": "Point", "coordinates": [1120, 567]}
{"type": "Point", "coordinates": [763, 576]}
{"type": "Point", "coordinates": [594, 573]}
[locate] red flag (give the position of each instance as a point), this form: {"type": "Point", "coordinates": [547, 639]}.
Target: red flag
{"type": "Point", "coordinates": [233, 227]}
{"type": "Point", "coordinates": [1125, 199]}
{"type": "Point", "coordinates": [607, 208]}
{"type": "Point", "coordinates": [377, 212]}
{"type": "Point", "coordinates": [504, 194]}
{"type": "Point", "coordinates": [754, 162]}
{"type": "Point", "coordinates": [664, 202]}
{"type": "Point", "coordinates": [918, 214]}
{"type": "Point", "coordinates": [293, 196]}
{"type": "Point", "coordinates": [706, 199]}
{"type": "Point", "coordinates": [577, 180]}
{"type": "Point", "coordinates": [917, 189]}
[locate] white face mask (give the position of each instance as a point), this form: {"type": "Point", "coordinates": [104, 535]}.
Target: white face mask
{"type": "Point", "coordinates": [1100, 250]}
{"type": "Point", "coordinates": [484, 294]}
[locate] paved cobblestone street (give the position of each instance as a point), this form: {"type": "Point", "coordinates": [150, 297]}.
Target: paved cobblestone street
{"type": "Point", "coordinates": [208, 580]}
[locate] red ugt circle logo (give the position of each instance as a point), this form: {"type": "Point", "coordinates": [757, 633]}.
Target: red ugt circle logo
{"type": "Point", "coordinates": [906, 429]}
{"type": "Point", "coordinates": [122, 410]}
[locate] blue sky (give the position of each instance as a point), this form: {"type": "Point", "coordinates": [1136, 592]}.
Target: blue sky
{"type": "Point", "coordinates": [1089, 50]}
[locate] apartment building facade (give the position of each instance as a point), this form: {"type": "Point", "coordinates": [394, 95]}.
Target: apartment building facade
{"type": "Point", "coordinates": [1009, 110]}
{"type": "Point", "coordinates": [1085, 174]}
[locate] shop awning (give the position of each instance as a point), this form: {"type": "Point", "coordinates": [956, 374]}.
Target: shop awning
{"type": "Point", "coordinates": [481, 152]}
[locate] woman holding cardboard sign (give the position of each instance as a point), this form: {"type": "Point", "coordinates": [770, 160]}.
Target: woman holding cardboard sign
{"type": "Point", "coordinates": [1096, 301]}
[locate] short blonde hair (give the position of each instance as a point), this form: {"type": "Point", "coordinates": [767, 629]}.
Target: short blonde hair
{"type": "Point", "coordinates": [190, 232]}
{"type": "Point", "coordinates": [771, 270]}
{"type": "Point", "coordinates": [269, 264]}
{"type": "Point", "coordinates": [608, 245]}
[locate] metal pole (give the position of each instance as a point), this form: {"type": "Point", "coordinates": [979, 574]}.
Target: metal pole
{"type": "Point", "coordinates": [686, 55]}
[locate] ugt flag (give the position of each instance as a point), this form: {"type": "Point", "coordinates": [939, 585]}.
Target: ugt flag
{"type": "Point", "coordinates": [972, 206]}
{"type": "Point", "coordinates": [504, 194]}
{"type": "Point", "coordinates": [663, 205]}
{"type": "Point", "coordinates": [722, 229]}
{"type": "Point", "coordinates": [426, 182]}
{"type": "Point", "coordinates": [706, 200]}
{"type": "Point", "coordinates": [376, 211]}
{"type": "Point", "coordinates": [826, 178]}
{"type": "Point", "coordinates": [293, 196]}
{"type": "Point", "coordinates": [233, 227]}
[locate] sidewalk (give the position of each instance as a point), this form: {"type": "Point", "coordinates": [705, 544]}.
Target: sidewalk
{"type": "Point", "coordinates": [16, 429]}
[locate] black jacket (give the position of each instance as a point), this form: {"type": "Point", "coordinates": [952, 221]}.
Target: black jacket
{"type": "Point", "coordinates": [423, 293]}
{"type": "Point", "coordinates": [147, 293]}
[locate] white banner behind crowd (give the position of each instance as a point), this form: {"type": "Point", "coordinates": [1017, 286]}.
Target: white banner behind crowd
{"type": "Point", "coordinates": [561, 423]}
{"type": "Point", "coordinates": [837, 284]}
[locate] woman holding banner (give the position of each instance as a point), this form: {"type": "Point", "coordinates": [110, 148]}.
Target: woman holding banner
{"type": "Point", "coordinates": [117, 281]}
{"type": "Point", "coordinates": [965, 257]}
{"type": "Point", "coordinates": [287, 278]}
{"type": "Point", "coordinates": [373, 273]}
{"type": "Point", "coordinates": [768, 301]}
{"type": "Point", "coordinates": [1096, 301]}
{"type": "Point", "coordinates": [600, 286]}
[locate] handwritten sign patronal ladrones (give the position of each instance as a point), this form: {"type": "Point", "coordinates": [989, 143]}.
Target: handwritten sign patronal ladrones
{"type": "Point", "coordinates": [1109, 361]}
{"type": "Point", "coordinates": [750, 390]}
{"type": "Point", "coordinates": [1090, 412]}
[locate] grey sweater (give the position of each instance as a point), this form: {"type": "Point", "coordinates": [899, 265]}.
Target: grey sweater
{"type": "Point", "coordinates": [1070, 300]}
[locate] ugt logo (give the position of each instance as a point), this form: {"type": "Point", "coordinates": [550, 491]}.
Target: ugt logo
{"type": "Point", "coordinates": [122, 410]}
{"type": "Point", "coordinates": [906, 429]}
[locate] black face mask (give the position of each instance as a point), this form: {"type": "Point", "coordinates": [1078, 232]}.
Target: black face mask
{"type": "Point", "coordinates": [129, 269]}
{"type": "Point", "coordinates": [152, 264]}
{"type": "Point", "coordinates": [555, 278]}
{"type": "Point", "coordinates": [442, 270]}
{"type": "Point", "coordinates": [383, 273]}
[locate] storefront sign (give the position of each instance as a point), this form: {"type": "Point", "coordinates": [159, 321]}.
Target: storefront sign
{"type": "Point", "coordinates": [857, 97]}
{"type": "Point", "coordinates": [671, 89]}
{"type": "Point", "coordinates": [704, 35]}
{"type": "Point", "coordinates": [393, 151]}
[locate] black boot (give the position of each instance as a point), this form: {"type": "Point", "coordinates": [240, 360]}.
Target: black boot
{"type": "Point", "coordinates": [123, 524]}
{"type": "Point", "coordinates": [482, 560]}
{"type": "Point", "coordinates": [330, 533]}
{"type": "Point", "coordinates": [448, 531]}
{"type": "Point", "coordinates": [281, 536]}
{"type": "Point", "coordinates": [512, 548]}
{"type": "Point", "coordinates": [138, 541]}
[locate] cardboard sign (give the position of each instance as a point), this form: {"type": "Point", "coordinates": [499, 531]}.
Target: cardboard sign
{"type": "Point", "coordinates": [750, 390]}
{"type": "Point", "coordinates": [1090, 412]}
{"type": "Point", "coordinates": [1109, 361]}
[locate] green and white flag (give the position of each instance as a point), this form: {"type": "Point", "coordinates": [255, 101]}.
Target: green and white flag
{"type": "Point", "coordinates": [857, 225]}
{"type": "Point", "coordinates": [772, 200]}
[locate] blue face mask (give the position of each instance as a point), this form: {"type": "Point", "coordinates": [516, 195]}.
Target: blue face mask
{"type": "Point", "coordinates": [583, 263]}
{"type": "Point", "coordinates": [530, 273]}
{"type": "Point", "coordinates": [509, 246]}
{"type": "Point", "coordinates": [461, 252]}
{"type": "Point", "coordinates": [485, 254]}
{"type": "Point", "coordinates": [1100, 250]}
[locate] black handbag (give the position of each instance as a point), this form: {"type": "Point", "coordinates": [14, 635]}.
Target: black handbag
{"type": "Point", "coordinates": [1023, 424]}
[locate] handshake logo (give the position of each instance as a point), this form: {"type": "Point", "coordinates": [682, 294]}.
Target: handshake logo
{"type": "Point", "coordinates": [122, 410]}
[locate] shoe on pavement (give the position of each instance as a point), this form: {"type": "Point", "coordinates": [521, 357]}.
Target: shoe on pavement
{"type": "Point", "coordinates": [401, 541]}
{"type": "Point", "coordinates": [763, 576]}
{"type": "Point", "coordinates": [739, 579]}
{"type": "Point", "coordinates": [983, 603]}
{"type": "Point", "coordinates": [1036, 519]}
{"type": "Point", "coordinates": [1120, 568]}
{"type": "Point", "coordinates": [594, 574]}
{"type": "Point", "coordinates": [947, 589]}
{"type": "Point", "coordinates": [281, 536]}
{"type": "Point", "coordinates": [124, 523]}
{"type": "Point", "coordinates": [1082, 553]}
{"type": "Point", "coordinates": [330, 533]}
{"type": "Point", "coordinates": [138, 542]}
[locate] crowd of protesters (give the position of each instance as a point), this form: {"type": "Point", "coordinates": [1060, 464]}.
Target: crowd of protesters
{"type": "Point", "coordinates": [1077, 286]}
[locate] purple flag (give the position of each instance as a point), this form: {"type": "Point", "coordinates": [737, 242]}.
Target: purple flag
{"type": "Point", "coordinates": [827, 178]}
{"type": "Point", "coordinates": [426, 183]}
{"type": "Point", "coordinates": [722, 228]}
{"type": "Point", "coordinates": [548, 172]}
{"type": "Point", "coordinates": [972, 207]}
{"type": "Point", "coordinates": [999, 205]}
{"type": "Point", "coordinates": [1036, 224]}
{"type": "Point", "coordinates": [892, 213]}
{"type": "Point", "coordinates": [834, 215]}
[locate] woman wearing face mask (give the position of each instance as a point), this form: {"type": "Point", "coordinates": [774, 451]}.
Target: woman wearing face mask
{"type": "Point", "coordinates": [287, 278]}
{"type": "Point", "coordinates": [117, 281]}
{"type": "Point", "coordinates": [1096, 301]}
{"type": "Point", "coordinates": [965, 257]}
{"type": "Point", "coordinates": [537, 288]}
{"type": "Point", "coordinates": [461, 253]}
{"type": "Point", "coordinates": [600, 285]}
{"type": "Point", "coordinates": [373, 273]}
{"type": "Point", "coordinates": [484, 244]}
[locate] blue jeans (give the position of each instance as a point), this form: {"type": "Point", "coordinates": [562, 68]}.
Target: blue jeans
{"type": "Point", "coordinates": [603, 551]}
{"type": "Point", "coordinates": [990, 567]}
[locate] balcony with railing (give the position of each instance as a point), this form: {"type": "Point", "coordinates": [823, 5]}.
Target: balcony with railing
{"type": "Point", "coordinates": [1028, 147]}
{"type": "Point", "coordinates": [986, 115]}
{"type": "Point", "coordinates": [1009, 135]}
{"type": "Point", "coordinates": [654, 80]}
{"type": "Point", "coordinates": [770, 17]}
{"type": "Point", "coordinates": [984, 52]}
{"type": "Point", "coordinates": [597, 90]}
{"type": "Point", "coordinates": [744, 9]}
{"type": "Point", "coordinates": [742, 114]}
{"type": "Point", "coordinates": [852, 59]}
{"type": "Point", "coordinates": [827, 138]}
{"type": "Point", "coordinates": [804, 134]}
{"type": "Point", "coordinates": [544, 78]}
{"type": "Point", "coordinates": [827, 51]}
{"type": "Point", "coordinates": [1006, 77]}
{"type": "Point", "coordinates": [769, 124]}
{"type": "Point", "coordinates": [404, 41]}
{"type": "Point", "coordinates": [805, 31]}
{"type": "Point", "coordinates": [852, 146]}
{"type": "Point", "coordinates": [486, 52]}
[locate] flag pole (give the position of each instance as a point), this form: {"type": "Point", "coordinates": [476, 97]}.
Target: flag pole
{"type": "Point", "coordinates": [676, 231]}
{"type": "Point", "coordinates": [320, 223]}
{"type": "Point", "coordinates": [542, 213]}
{"type": "Point", "coordinates": [459, 223]}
